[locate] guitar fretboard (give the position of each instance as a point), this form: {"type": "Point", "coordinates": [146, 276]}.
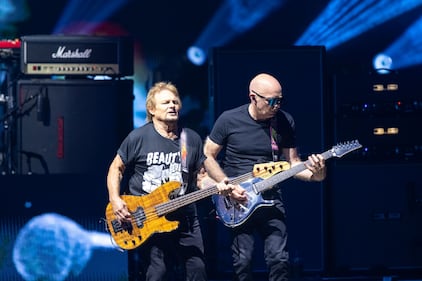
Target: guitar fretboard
{"type": "Point", "coordinates": [174, 204]}
{"type": "Point", "coordinates": [268, 183]}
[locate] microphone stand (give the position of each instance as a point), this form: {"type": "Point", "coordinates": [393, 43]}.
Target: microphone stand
{"type": "Point", "coordinates": [10, 66]}
{"type": "Point", "coordinates": [9, 126]}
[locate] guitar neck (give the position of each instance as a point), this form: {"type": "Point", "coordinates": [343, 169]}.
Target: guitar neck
{"type": "Point", "coordinates": [174, 204]}
{"type": "Point", "coordinates": [268, 183]}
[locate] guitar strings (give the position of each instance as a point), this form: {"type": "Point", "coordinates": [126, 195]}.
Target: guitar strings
{"type": "Point", "coordinates": [169, 206]}
{"type": "Point", "coordinates": [174, 204]}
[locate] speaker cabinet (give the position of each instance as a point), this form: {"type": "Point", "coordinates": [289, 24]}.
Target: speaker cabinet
{"type": "Point", "coordinates": [376, 196]}
{"type": "Point", "coordinates": [376, 216]}
{"type": "Point", "coordinates": [72, 126]}
{"type": "Point", "coordinates": [301, 71]}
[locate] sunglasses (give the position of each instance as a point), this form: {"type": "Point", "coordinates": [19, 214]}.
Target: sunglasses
{"type": "Point", "coordinates": [271, 101]}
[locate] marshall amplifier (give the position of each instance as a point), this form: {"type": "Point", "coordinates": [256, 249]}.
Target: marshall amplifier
{"type": "Point", "coordinates": [76, 55]}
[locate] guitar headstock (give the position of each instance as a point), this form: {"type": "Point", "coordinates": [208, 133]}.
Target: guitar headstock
{"type": "Point", "coordinates": [343, 148]}
{"type": "Point", "coordinates": [266, 170]}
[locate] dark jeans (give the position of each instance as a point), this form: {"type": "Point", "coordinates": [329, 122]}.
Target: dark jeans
{"type": "Point", "coordinates": [269, 224]}
{"type": "Point", "coordinates": [178, 255]}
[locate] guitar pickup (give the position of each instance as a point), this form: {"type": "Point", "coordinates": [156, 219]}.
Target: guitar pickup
{"type": "Point", "coordinates": [139, 217]}
{"type": "Point", "coordinates": [227, 202]}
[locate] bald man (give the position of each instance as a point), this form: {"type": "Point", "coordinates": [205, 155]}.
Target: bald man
{"type": "Point", "coordinates": [253, 133]}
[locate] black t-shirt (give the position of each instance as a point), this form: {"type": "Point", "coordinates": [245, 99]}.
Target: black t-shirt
{"type": "Point", "coordinates": [248, 142]}
{"type": "Point", "coordinates": [153, 160]}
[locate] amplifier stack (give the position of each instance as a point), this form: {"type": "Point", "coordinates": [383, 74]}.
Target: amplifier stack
{"type": "Point", "coordinates": [57, 80]}
{"type": "Point", "coordinates": [76, 55]}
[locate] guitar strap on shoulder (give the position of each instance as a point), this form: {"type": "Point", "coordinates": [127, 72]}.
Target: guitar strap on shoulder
{"type": "Point", "coordinates": [273, 136]}
{"type": "Point", "coordinates": [183, 162]}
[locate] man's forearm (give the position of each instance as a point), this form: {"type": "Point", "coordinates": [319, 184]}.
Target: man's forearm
{"type": "Point", "coordinates": [214, 170]}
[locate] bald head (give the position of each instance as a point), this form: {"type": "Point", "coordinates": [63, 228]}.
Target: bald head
{"type": "Point", "coordinates": [265, 83]}
{"type": "Point", "coordinates": [265, 96]}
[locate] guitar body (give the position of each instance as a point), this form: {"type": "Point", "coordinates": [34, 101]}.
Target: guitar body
{"type": "Point", "coordinates": [232, 213]}
{"type": "Point", "coordinates": [146, 219]}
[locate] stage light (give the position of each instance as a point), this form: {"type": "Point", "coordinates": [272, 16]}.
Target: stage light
{"type": "Point", "coordinates": [382, 63]}
{"type": "Point", "coordinates": [196, 55]}
{"type": "Point", "coordinates": [11, 12]}
{"type": "Point", "coordinates": [7, 9]}
{"type": "Point", "coordinates": [232, 18]}
{"type": "Point", "coordinates": [343, 20]}
{"type": "Point", "coordinates": [406, 51]}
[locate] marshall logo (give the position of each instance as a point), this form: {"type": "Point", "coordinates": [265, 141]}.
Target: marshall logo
{"type": "Point", "coordinates": [62, 53]}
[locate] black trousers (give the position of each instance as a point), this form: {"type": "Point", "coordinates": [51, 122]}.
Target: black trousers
{"type": "Point", "coordinates": [177, 255]}
{"type": "Point", "coordinates": [269, 224]}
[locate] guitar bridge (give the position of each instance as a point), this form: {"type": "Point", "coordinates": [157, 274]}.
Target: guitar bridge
{"type": "Point", "coordinates": [120, 227]}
